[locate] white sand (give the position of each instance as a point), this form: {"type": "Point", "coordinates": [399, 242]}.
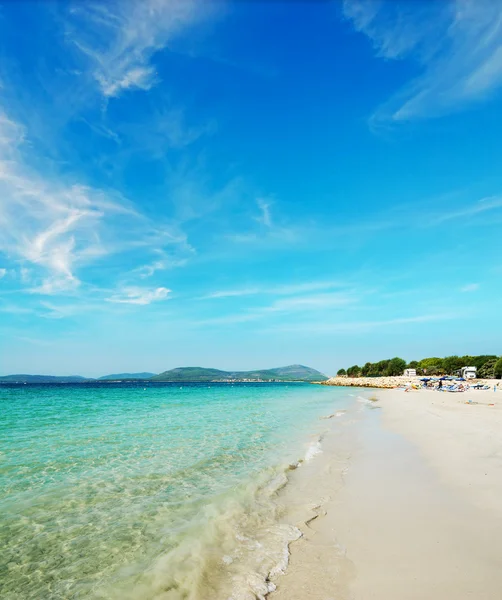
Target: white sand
{"type": "Point", "coordinates": [409, 499]}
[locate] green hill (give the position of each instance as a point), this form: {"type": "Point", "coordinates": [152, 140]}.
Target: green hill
{"type": "Point", "coordinates": [200, 374]}
{"type": "Point", "coordinates": [120, 376]}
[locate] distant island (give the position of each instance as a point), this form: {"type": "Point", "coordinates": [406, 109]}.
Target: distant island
{"type": "Point", "coordinates": [290, 373]}
{"type": "Point", "coordinates": [126, 376]}
{"type": "Point", "coordinates": [184, 374]}
{"type": "Point", "coordinates": [43, 379]}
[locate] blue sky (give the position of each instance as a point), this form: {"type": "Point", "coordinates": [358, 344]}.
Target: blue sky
{"type": "Point", "coordinates": [248, 184]}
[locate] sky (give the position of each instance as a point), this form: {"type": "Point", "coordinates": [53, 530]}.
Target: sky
{"type": "Point", "coordinates": [248, 184]}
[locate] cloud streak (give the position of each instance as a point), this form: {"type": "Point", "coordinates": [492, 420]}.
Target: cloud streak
{"type": "Point", "coordinates": [306, 304]}
{"type": "Point", "coordinates": [290, 289]}
{"type": "Point", "coordinates": [57, 226]}
{"type": "Point", "coordinates": [457, 44]}
{"type": "Point", "coordinates": [484, 205]}
{"type": "Point", "coordinates": [328, 327]}
{"type": "Point", "coordinates": [139, 296]}
{"type": "Point", "coordinates": [266, 216]}
{"type": "Point", "coordinates": [119, 39]}
{"type": "Point", "coordinates": [470, 287]}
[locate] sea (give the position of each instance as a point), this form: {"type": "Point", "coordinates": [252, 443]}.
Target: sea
{"type": "Point", "coordinates": [151, 491]}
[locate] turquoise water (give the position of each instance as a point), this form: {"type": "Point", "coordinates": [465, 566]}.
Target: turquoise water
{"type": "Point", "coordinates": [164, 493]}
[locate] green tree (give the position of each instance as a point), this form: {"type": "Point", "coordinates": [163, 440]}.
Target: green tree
{"type": "Point", "coordinates": [341, 372]}
{"type": "Point", "coordinates": [413, 364]}
{"type": "Point", "coordinates": [368, 369]}
{"type": "Point", "coordinates": [497, 369]}
{"type": "Point", "coordinates": [395, 366]}
{"type": "Point", "coordinates": [479, 361]}
{"type": "Point", "coordinates": [467, 361]}
{"type": "Point", "coordinates": [382, 367]}
{"type": "Point", "coordinates": [354, 371]}
{"type": "Point", "coordinates": [487, 370]}
{"type": "Point", "coordinates": [452, 364]}
{"type": "Point", "coordinates": [431, 366]}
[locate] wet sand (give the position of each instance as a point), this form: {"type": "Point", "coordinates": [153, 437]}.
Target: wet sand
{"type": "Point", "coordinates": [405, 502]}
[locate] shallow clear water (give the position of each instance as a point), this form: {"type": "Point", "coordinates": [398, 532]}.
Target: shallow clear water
{"type": "Point", "coordinates": [120, 492]}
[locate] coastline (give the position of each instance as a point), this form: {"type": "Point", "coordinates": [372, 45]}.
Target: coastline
{"type": "Point", "coordinates": [404, 502]}
{"type": "Point", "coordinates": [392, 382]}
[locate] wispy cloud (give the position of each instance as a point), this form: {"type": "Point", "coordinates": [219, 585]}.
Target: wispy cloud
{"type": "Point", "coordinates": [50, 310]}
{"type": "Point", "coordinates": [159, 265]}
{"type": "Point", "coordinates": [3, 273]}
{"type": "Point", "coordinates": [304, 305]}
{"type": "Point", "coordinates": [329, 326]}
{"type": "Point", "coordinates": [163, 260]}
{"type": "Point", "coordinates": [164, 129]}
{"type": "Point", "coordinates": [311, 302]}
{"type": "Point", "coordinates": [457, 44]}
{"type": "Point", "coordinates": [470, 287]}
{"type": "Point", "coordinates": [481, 206]}
{"type": "Point", "coordinates": [33, 341]}
{"type": "Point", "coordinates": [231, 293]}
{"type": "Point", "coordinates": [120, 38]}
{"type": "Point", "coordinates": [287, 289]}
{"type": "Point", "coordinates": [140, 296]}
{"type": "Point", "coordinates": [15, 309]}
{"type": "Point", "coordinates": [266, 216]}
{"type": "Point", "coordinates": [59, 227]}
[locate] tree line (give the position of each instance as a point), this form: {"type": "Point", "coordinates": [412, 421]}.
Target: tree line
{"type": "Point", "coordinates": [488, 366]}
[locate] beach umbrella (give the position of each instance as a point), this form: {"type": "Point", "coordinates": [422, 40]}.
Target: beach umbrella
{"type": "Point", "coordinates": [424, 379]}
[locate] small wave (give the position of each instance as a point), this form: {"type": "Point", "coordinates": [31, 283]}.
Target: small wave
{"type": "Point", "coordinates": [313, 450]}
{"type": "Point", "coordinates": [339, 413]}
{"type": "Point", "coordinates": [363, 400]}
{"type": "Point", "coordinates": [282, 565]}
{"type": "Point", "coordinates": [231, 550]}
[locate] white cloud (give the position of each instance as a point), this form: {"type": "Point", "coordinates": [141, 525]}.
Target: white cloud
{"type": "Point", "coordinates": [288, 289]}
{"type": "Point", "coordinates": [25, 274]}
{"type": "Point", "coordinates": [310, 304]}
{"type": "Point", "coordinates": [266, 217]}
{"type": "Point", "coordinates": [470, 287]}
{"type": "Point", "coordinates": [481, 206]}
{"type": "Point", "coordinates": [231, 293]}
{"type": "Point", "coordinates": [164, 128]}
{"type": "Point", "coordinates": [330, 327]}
{"type": "Point", "coordinates": [309, 286]}
{"type": "Point", "coordinates": [3, 273]}
{"type": "Point", "coordinates": [57, 227]}
{"type": "Point", "coordinates": [457, 44]}
{"type": "Point", "coordinates": [314, 302]}
{"type": "Point", "coordinates": [11, 133]}
{"type": "Point", "coordinates": [141, 77]}
{"type": "Point", "coordinates": [141, 296]}
{"type": "Point", "coordinates": [34, 341]}
{"type": "Point", "coordinates": [15, 309]}
{"type": "Point", "coordinates": [160, 265]}
{"type": "Point", "coordinates": [119, 38]}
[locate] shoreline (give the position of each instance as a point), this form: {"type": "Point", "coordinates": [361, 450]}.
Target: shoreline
{"type": "Point", "coordinates": [395, 382]}
{"type": "Point", "coordinates": [404, 501]}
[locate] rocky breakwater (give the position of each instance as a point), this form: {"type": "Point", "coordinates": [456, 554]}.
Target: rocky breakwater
{"type": "Point", "coordinates": [371, 382]}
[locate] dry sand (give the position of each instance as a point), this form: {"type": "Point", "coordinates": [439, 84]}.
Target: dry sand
{"type": "Point", "coordinates": [406, 502]}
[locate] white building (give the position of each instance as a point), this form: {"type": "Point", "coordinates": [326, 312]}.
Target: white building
{"type": "Point", "coordinates": [410, 373]}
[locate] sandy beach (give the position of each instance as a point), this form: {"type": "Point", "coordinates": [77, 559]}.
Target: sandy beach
{"type": "Point", "coordinates": [405, 501]}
